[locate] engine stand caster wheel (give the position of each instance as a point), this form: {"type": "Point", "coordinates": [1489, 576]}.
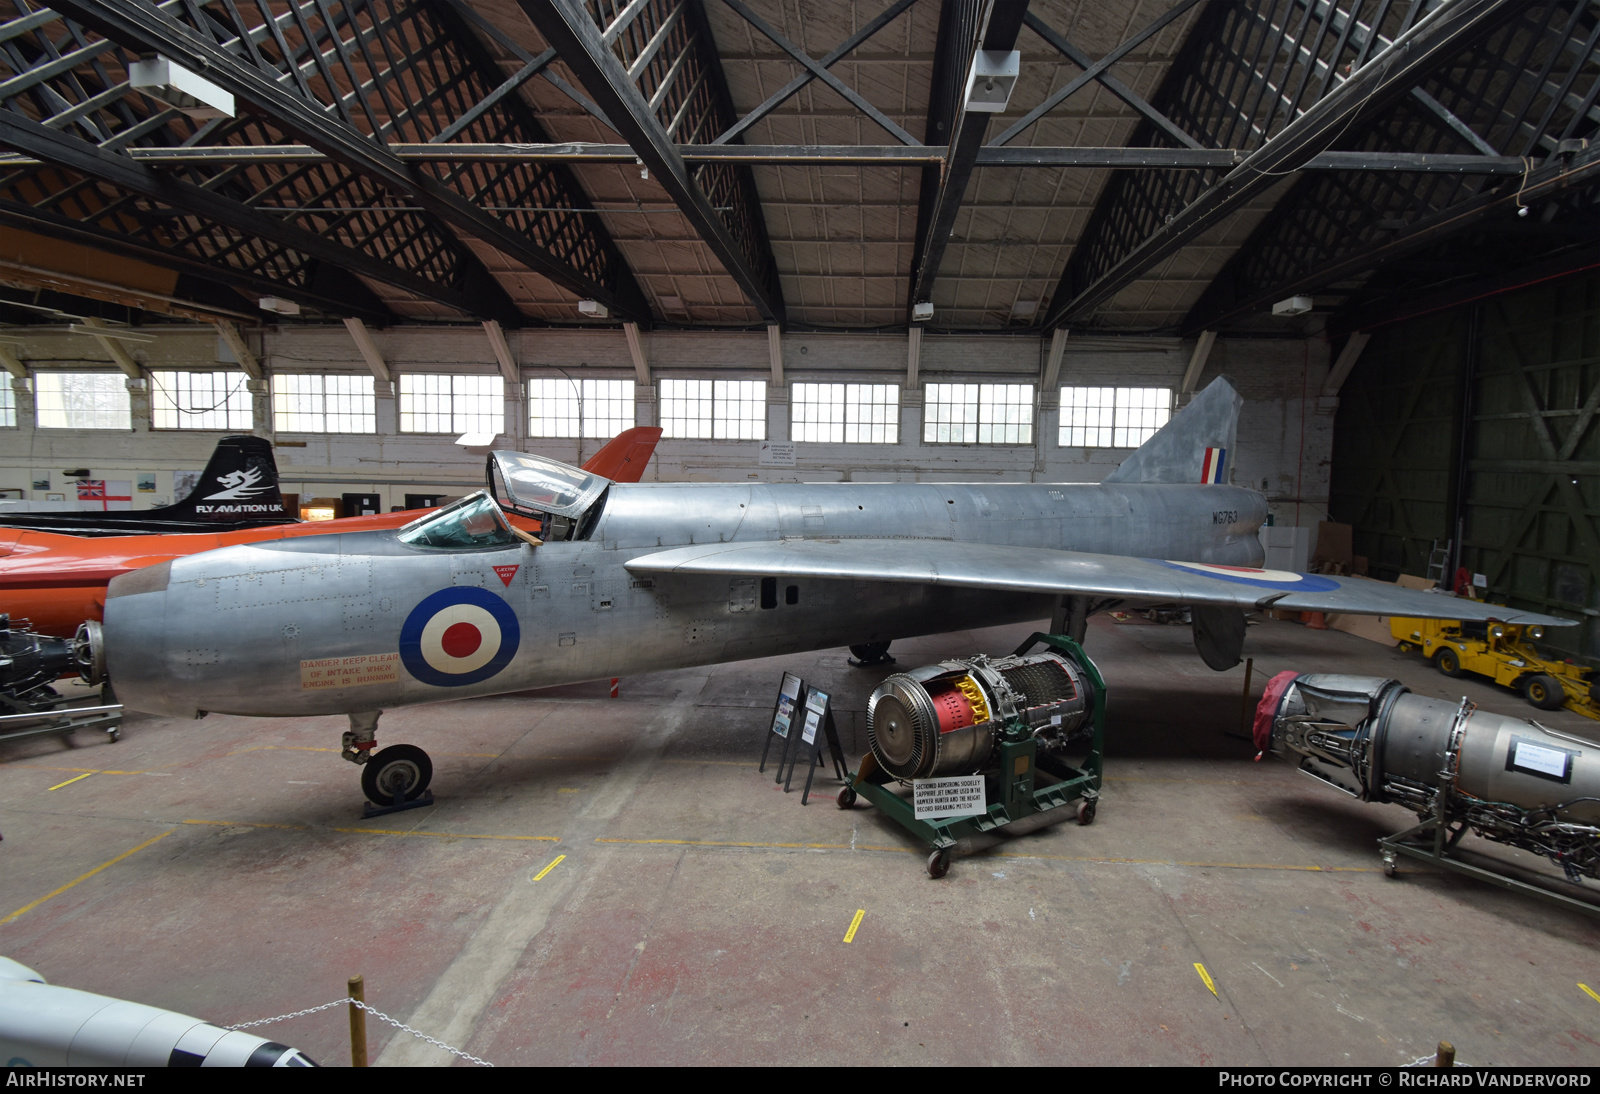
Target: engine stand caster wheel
{"type": "Point", "coordinates": [1390, 869]}
{"type": "Point", "coordinates": [939, 863]}
{"type": "Point", "coordinates": [114, 734]}
{"type": "Point", "coordinates": [1086, 813]}
{"type": "Point", "coordinates": [396, 771]}
{"type": "Point", "coordinates": [846, 798]}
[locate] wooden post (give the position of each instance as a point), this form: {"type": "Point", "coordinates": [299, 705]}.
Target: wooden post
{"type": "Point", "coordinates": [1446, 1056]}
{"type": "Point", "coordinates": [358, 1023]}
{"type": "Point", "coordinates": [1244, 701]}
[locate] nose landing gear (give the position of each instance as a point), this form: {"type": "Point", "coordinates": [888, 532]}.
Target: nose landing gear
{"type": "Point", "coordinates": [393, 778]}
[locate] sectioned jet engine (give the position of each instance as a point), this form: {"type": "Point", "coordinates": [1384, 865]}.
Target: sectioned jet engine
{"type": "Point", "coordinates": [1507, 780]}
{"type": "Point", "coordinates": [30, 662]}
{"type": "Point", "coordinates": [946, 719]}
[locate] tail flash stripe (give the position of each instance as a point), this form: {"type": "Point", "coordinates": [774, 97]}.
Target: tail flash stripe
{"type": "Point", "coordinates": [1211, 468]}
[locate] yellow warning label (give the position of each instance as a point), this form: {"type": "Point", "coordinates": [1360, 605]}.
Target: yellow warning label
{"type": "Point", "coordinates": [349, 672]}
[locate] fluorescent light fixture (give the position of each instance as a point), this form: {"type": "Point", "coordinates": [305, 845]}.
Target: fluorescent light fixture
{"type": "Point", "coordinates": [922, 311]}
{"type": "Point", "coordinates": [1024, 309]}
{"type": "Point", "coordinates": [170, 83]}
{"type": "Point", "coordinates": [278, 305]}
{"type": "Point", "coordinates": [1295, 305]}
{"type": "Point", "coordinates": [994, 73]}
{"type": "Point", "coordinates": [593, 309]}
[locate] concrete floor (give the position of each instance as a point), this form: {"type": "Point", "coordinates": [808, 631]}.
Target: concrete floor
{"type": "Point", "coordinates": [699, 913]}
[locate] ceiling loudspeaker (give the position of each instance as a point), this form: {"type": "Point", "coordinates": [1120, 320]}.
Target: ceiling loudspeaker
{"type": "Point", "coordinates": [278, 305]}
{"type": "Point", "coordinates": [994, 73]}
{"type": "Point", "coordinates": [593, 309]}
{"type": "Point", "coordinates": [922, 311]}
{"type": "Point", "coordinates": [1295, 305]}
{"type": "Point", "coordinates": [169, 82]}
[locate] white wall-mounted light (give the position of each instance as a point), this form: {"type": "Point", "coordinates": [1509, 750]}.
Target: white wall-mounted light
{"type": "Point", "coordinates": [993, 75]}
{"type": "Point", "coordinates": [1295, 305]}
{"type": "Point", "coordinates": [922, 311]}
{"type": "Point", "coordinates": [476, 440]}
{"type": "Point", "coordinates": [278, 305]}
{"type": "Point", "coordinates": [593, 309]}
{"type": "Point", "coordinates": [171, 83]}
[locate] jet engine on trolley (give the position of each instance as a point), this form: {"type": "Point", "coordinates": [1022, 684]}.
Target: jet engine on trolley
{"type": "Point", "coordinates": [946, 719]}
{"type": "Point", "coordinates": [1459, 768]}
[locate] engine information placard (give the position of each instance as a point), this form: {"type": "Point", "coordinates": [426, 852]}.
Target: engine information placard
{"type": "Point", "coordinates": [349, 672]}
{"type": "Point", "coordinates": [961, 796]}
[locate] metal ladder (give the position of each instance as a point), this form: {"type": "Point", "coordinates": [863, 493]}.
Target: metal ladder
{"type": "Point", "coordinates": [1438, 559]}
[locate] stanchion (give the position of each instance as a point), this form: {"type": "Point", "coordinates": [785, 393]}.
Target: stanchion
{"type": "Point", "coordinates": [1244, 703]}
{"type": "Point", "coordinates": [358, 1023]}
{"type": "Point", "coordinates": [1446, 1056]}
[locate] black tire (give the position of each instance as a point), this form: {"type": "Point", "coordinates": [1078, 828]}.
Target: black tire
{"type": "Point", "coordinates": [1447, 662]}
{"type": "Point", "coordinates": [846, 798]}
{"type": "Point", "coordinates": [1086, 813]}
{"type": "Point", "coordinates": [871, 653]}
{"type": "Point", "coordinates": [1544, 692]}
{"type": "Point", "coordinates": [394, 768]}
{"type": "Point", "coordinates": [939, 863]}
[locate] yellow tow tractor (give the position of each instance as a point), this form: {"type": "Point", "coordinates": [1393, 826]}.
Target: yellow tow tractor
{"type": "Point", "coordinates": [1504, 652]}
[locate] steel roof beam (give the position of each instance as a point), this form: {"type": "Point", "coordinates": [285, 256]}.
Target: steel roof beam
{"type": "Point", "coordinates": [572, 31]}
{"type": "Point", "coordinates": [996, 29]}
{"type": "Point", "coordinates": [1390, 73]}
{"type": "Point", "coordinates": [145, 28]}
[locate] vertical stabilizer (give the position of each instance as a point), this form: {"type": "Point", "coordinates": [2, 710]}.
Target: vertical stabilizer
{"type": "Point", "coordinates": [240, 483]}
{"type": "Point", "coordinates": [1195, 446]}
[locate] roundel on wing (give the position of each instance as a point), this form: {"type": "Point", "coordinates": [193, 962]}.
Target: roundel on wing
{"type": "Point", "coordinates": [459, 636]}
{"type": "Point", "coordinates": [1284, 581]}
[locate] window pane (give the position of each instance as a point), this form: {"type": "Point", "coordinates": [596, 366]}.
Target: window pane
{"type": "Point", "coordinates": [872, 413]}
{"type": "Point", "coordinates": [82, 400]}
{"type": "Point", "coordinates": [817, 412]}
{"type": "Point", "coordinates": [607, 408]}
{"type": "Point", "coordinates": [200, 400]}
{"type": "Point", "coordinates": [685, 409]}
{"type": "Point", "coordinates": [1106, 417]}
{"type": "Point", "coordinates": [739, 410]}
{"type": "Point", "coordinates": [8, 406]}
{"type": "Point", "coordinates": [332, 403]}
{"type": "Point", "coordinates": [452, 404]}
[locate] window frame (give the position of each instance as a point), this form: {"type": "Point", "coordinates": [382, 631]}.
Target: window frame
{"type": "Point", "coordinates": [718, 428]}
{"type": "Point", "coordinates": [1116, 411]}
{"type": "Point", "coordinates": [323, 413]}
{"type": "Point", "coordinates": [580, 399]}
{"type": "Point", "coordinates": [455, 429]}
{"type": "Point", "coordinates": [227, 411]}
{"type": "Point", "coordinates": [850, 417]}
{"type": "Point", "coordinates": [38, 398]}
{"type": "Point", "coordinates": [979, 409]}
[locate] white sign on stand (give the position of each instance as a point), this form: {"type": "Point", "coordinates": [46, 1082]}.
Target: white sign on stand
{"type": "Point", "coordinates": [960, 796]}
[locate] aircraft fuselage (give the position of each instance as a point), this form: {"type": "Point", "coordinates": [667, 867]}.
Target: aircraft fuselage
{"type": "Point", "coordinates": [362, 621]}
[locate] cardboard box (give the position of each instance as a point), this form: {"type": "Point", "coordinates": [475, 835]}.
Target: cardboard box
{"type": "Point", "coordinates": [1334, 544]}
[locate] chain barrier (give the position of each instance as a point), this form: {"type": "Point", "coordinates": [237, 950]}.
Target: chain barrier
{"type": "Point", "coordinates": [436, 1043]}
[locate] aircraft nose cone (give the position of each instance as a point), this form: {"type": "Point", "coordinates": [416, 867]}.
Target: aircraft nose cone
{"type": "Point", "coordinates": [136, 631]}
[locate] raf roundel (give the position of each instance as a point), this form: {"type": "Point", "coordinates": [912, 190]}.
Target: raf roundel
{"type": "Point", "coordinates": [459, 636]}
{"type": "Point", "coordinates": [1283, 581]}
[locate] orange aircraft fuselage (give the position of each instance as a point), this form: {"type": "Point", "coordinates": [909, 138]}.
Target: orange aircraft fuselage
{"type": "Point", "coordinates": [54, 581]}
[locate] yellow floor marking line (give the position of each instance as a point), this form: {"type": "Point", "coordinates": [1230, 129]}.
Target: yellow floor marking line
{"type": "Point", "coordinates": [554, 863]}
{"type": "Point", "coordinates": [1590, 992]}
{"type": "Point", "coordinates": [26, 908]}
{"type": "Point", "coordinates": [309, 748]}
{"type": "Point", "coordinates": [1205, 978]}
{"type": "Point", "coordinates": [373, 831]}
{"type": "Point", "coordinates": [86, 770]}
{"type": "Point", "coordinates": [849, 936]}
{"type": "Point", "coordinates": [72, 780]}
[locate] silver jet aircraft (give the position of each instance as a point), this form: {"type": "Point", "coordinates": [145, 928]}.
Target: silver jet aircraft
{"type": "Point", "coordinates": [633, 578]}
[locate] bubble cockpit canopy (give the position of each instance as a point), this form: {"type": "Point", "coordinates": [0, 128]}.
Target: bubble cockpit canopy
{"type": "Point", "coordinates": [474, 521]}
{"type": "Point", "coordinates": [562, 496]}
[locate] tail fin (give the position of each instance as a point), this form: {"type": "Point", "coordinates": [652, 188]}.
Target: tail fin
{"type": "Point", "coordinates": [1195, 446]}
{"type": "Point", "coordinates": [623, 457]}
{"type": "Point", "coordinates": [240, 483]}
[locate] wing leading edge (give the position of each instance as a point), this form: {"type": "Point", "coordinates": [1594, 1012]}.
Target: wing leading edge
{"type": "Point", "coordinates": [1040, 570]}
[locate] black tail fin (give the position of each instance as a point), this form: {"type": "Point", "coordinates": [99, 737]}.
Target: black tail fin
{"type": "Point", "coordinates": [239, 485]}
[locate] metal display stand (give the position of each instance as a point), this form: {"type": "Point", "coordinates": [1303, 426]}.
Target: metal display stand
{"type": "Point", "coordinates": [1434, 841]}
{"type": "Point", "coordinates": [791, 695]}
{"type": "Point", "coordinates": [55, 717]}
{"type": "Point", "coordinates": [817, 732]}
{"type": "Point", "coordinates": [1025, 783]}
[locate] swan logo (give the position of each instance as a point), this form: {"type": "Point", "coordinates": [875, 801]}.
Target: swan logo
{"type": "Point", "coordinates": [239, 486]}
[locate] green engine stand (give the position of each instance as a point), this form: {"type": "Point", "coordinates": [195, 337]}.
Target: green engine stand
{"type": "Point", "coordinates": [1024, 784]}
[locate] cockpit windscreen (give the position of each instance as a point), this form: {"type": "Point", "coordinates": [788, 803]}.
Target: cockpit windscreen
{"type": "Point", "coordinates": [474, 521]}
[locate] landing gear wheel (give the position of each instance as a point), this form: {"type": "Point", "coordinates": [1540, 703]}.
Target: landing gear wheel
{"type": "Point", "coordinates": [1086, 813]}
{"type": "Point", "coordinates": [846, 798]}
{"type": "Point", "coordinates": [1447, 662]}
{"type": "Point", "coordinates": [939, 863]}
{"type": "Point", "coordinates": [1544, 692]}
{"type": "Point", "coordinates": [871, 653]}
{"type": "Point", "coordinates": [396, 768]}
